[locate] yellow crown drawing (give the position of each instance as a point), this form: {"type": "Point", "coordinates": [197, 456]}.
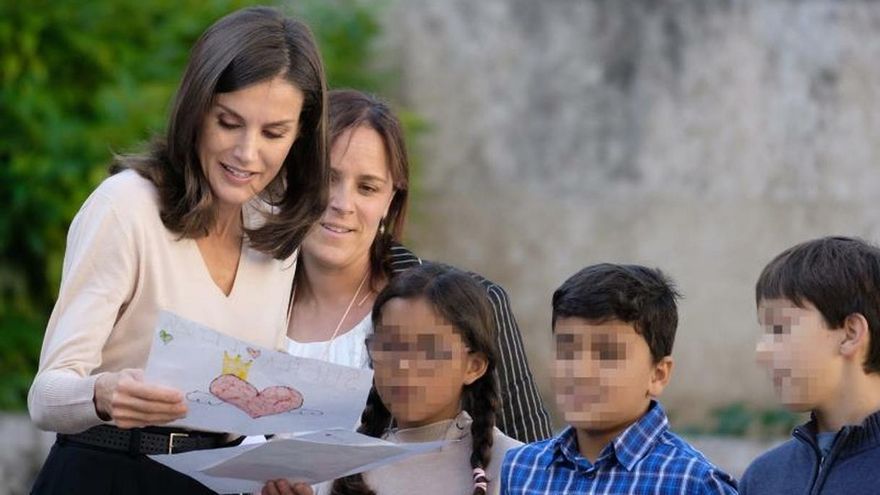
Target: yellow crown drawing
{"type": "Point", "coordinates": [236, 366]}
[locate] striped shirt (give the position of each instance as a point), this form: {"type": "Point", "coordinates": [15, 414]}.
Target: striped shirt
{"type": "Point", "coordinates": [522, 414]}
{"type": "Point", "coordinates": [645, 459]}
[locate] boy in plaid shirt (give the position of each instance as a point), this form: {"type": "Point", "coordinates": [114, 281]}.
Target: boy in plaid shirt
{"type": "Point", "coordinates": [614, 326]}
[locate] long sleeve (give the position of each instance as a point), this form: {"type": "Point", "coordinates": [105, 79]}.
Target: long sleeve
{"type": "Point", "coordinates": [523, 415]}
{"type": "Point", "coordinates": [719, 483]}
{"type": "Point", "coordinates": [745, 483]}
{"type": "Point", "coordinates": [121, 267]}
{"type": "Point", "coordinates": [98, 275]}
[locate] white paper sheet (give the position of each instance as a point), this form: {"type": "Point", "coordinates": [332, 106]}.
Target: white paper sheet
{"type": "Point", "coordinates": [315, 457]}
{"type": "Point", "coordinates": [190, 464]}
{"type": "Point", "coordinates": [233, 386]}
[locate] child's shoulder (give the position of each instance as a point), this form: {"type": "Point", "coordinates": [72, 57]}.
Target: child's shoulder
{"type": "Point", "coordinates": [673, 446]}
{"type": "Point", "coordinates": [773, 462]}
{"type": "Point", "coordinates": [530, 452]}
{"type": "Point", "coordinates": [502, 443]}
{"type": "Point", "coordinates": [670, 448]}
{"type": "Point", "coordinates": [679, 455]}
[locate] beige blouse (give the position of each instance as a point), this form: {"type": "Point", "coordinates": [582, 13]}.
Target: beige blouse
{"type": "Point", "coordinates": [120, 268]}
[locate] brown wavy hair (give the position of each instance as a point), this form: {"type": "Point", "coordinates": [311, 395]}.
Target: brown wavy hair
{"type": "Point", "coordinates": [349, 109]}
{"type": "Point", "coordinates": [249, 46]}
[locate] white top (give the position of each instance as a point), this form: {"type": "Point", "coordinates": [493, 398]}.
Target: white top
{"type": "Point", "coordinates": [348, 349]}
{"type": "Point", "coordinates": [120, 268]}
{"type": "Point", "coordinates": [442, 472]}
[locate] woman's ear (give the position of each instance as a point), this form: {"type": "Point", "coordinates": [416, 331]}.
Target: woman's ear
{"type": "Point", "coordinates": [660, 375]}
{"type": "Point", "coordinates": [856, 335]}
{"type": "Point", "coordinates": [477, 364]}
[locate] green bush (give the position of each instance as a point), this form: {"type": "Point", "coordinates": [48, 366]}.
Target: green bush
{"type": "Point", "coordinates": [79, 81]}
{"type": "Point", "coordinates": [347, 31]}
{"type": "Point", "coordinates": [737, 419]}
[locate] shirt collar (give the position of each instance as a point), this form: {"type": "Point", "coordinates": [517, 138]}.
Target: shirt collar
{"type": "Point", "coordinates": [565, 447]}
{"type": "Point", "coordinates": [628, 448]}
{"type": "Point", "coordinates": [449, 429]}
{"type": "Point", "coordinates": [639, 438]}
{"type": "Point", "coordinates": [857, 437]}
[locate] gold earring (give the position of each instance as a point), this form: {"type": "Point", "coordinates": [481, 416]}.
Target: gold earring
{"type": "Point", "coordinates": [382, 226]}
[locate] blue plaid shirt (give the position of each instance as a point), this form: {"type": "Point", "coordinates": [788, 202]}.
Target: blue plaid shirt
{"type": "Point", "coordinates": [645, 459]}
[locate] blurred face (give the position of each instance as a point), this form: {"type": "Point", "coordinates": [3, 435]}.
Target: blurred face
{"type": "Point", "coordinates": [421, 363]}
{"type": "Point", "coordinates": [604, 374]}
{"type": "Point", "coordinates": [361, 189]}
{"type": "Point", "coordinates": [799, 351]}
{"type": "Point", "coordinates": [246, 136]}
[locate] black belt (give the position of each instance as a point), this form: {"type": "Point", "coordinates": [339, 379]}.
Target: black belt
{"type": "Point", "coordinates": [148, 441]}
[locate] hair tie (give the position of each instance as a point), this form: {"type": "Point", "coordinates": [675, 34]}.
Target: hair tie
{"type": "Point", "coordinates": [480, 480]}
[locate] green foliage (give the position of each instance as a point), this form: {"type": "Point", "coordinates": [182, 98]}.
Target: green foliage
{"type": "Point", "coordinates": [739, 420]}
{"type": "Point", "coordinates": [346, 31]}
{"type": "Point", "coordinates": [79, 81]}
{"type": "Point", "coordinates": [732, 419]}
{"type": "Point", "coordinates": [777, 422]}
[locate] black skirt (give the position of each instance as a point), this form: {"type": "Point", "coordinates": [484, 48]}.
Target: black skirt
{"type": "Point", "coordinates": [73, 468]}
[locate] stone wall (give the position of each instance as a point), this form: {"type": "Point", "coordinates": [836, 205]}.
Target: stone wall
{"type": "Point", "coordinates": [702, 137]}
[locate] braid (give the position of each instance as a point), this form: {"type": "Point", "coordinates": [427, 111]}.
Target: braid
{"type": "Point", "coordinates": [480, 400]}
{"type": "Point", "coordinates": [376, 417]}
{"type": "Point", "coordinates": [374, 421]}
{"type": "Point", "coordinates": [462, 302]}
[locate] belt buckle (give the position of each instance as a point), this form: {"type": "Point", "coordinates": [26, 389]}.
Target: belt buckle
{"type": "Point", "coordinates": [171, 440]}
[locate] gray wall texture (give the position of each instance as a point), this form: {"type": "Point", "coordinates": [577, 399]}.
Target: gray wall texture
{"type": "Point", "coordinates": [698, 136]}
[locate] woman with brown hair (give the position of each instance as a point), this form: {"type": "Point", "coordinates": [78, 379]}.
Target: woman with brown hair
{"type": "Point", "coordinates": [204, 225]}
{"type": "Point", "coordinates": [354, 250]}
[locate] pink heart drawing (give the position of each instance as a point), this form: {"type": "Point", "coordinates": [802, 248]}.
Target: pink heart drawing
{"type": "Point", "coordinates": [256, 403]}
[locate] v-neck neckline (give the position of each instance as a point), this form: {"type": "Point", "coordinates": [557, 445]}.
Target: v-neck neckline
{"type": "Point", "coordinates": [239, 269]}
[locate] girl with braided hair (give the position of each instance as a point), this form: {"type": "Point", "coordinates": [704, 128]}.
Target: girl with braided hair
{"type": "Point", "coordinates": [433, 351]}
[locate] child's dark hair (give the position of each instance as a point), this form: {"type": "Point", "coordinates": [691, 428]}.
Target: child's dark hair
{"type": "Point", "coordinates": [460, 300]}
{"type": "Point", "coordinates": [840, 276]}
{"type": "Point", "coordinates": [633, 294]}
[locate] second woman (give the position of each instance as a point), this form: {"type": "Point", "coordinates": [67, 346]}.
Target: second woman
{"type": "Point", "coordinates": [352, 252]}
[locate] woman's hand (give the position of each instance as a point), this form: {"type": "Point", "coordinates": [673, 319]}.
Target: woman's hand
{"type": "Point", "coordinates": [125, 398]}
{"type": "Point", "coordinates": [283, 487]}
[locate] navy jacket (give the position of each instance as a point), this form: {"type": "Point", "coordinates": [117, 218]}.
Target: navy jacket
{"type": "Point", "coordinates": [852, 466]}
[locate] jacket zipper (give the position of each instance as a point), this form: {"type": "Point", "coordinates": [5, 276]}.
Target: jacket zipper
{"type": "Point", "coordinates": [804, 437]}
{"type": "Point", "coordinates": [821, 471]}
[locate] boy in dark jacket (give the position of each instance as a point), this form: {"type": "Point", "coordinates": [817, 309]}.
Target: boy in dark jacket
{"type": "Point", "coordinates": [819, 305]}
